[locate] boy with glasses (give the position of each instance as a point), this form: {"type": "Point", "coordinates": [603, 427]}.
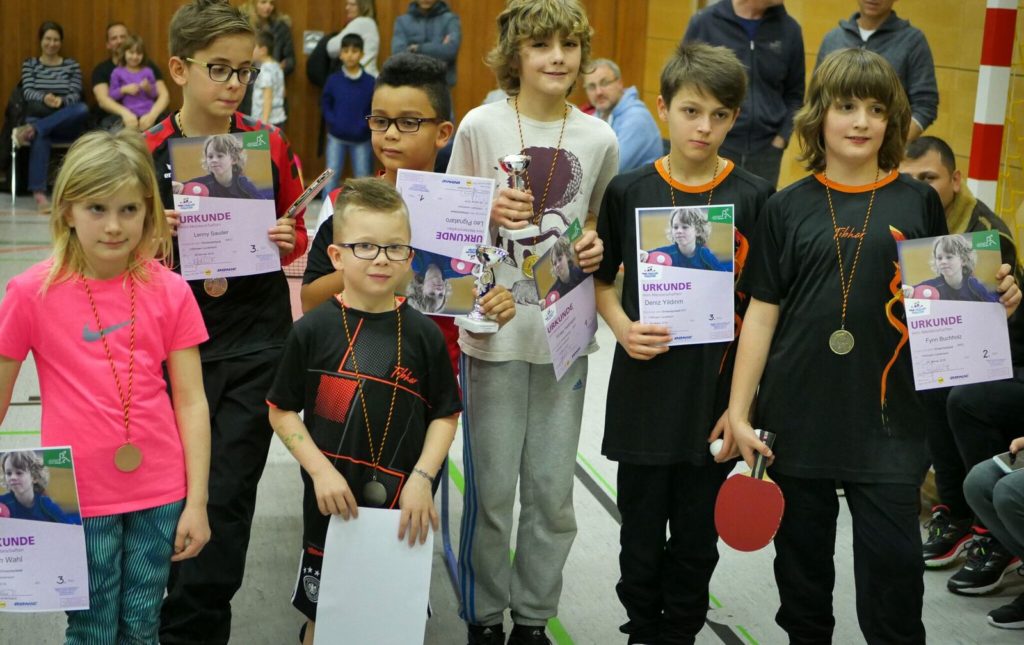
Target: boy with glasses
{"type": "Point", "coordinates": [248, 318]}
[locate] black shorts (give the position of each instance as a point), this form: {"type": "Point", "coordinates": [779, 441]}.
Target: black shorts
{"type": "Point", "coordinates": [307, 585]}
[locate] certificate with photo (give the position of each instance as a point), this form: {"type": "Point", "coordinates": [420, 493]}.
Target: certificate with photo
{"type": "Point", "coordinates": [43, 566]}
{"type": "Point", "coordinates": [957, 326]}
{"type": "Point", "coordinates": [568, 307]}
{"type": "Point", "coordinates": [449, 215]}
{"type": "Point", "coordinates": [224, 193]}
{"type": "Point", "coordinates": [685, 271]}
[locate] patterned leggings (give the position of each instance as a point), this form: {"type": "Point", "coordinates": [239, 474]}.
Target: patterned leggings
{"type": "Point", "coordinates": [129, 560]}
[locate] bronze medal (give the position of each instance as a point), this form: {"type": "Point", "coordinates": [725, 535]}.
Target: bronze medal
{"type": "Point", "coordinates": [127, 458]}
{"type": "Point", "coordinates": [840, 342]}
{"type": "Point", "coordinates": [374, 494]}
{"type": "Point", "coordinates": [215, 287]}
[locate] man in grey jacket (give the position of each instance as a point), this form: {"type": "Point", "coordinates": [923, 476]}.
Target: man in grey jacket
{"type": "Point", "coordinates": [876, 27]}
{"type": "Point", "coordinates": [429, 27]}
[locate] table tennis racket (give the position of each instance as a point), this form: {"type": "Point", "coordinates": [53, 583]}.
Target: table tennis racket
{"type": "Point", "coordinates": [749, 509]}
{"type": "Point", "coordinates": [4, 511]}
{"type": "Point", "coordinates": [196, 189]}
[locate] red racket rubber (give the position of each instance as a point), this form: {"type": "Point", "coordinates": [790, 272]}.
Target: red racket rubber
{"type": "Point", "coordinates": [749, 509]}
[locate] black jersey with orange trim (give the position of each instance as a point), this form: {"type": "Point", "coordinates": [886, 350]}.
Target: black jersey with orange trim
{"type": "Point", "coordinates": [855, 417]}
{"type": "Point", "coordinates": [661, 411]}
{"type": "Point", "coordinates": [255, 312]}
{"type": "Point", "coordinates": [318, 376]}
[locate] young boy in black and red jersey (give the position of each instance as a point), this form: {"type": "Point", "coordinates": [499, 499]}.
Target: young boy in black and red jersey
{"type": "Point", "coordinates": [666, 475]}
{"type": "Point", "coordinates": [407, 130]}
{"type": "Point", "coordinates": [372, 378]}
{"type": "Point", "coordinates": [824, 346]}
{"type": "Point", "coordinates": [248, 318]}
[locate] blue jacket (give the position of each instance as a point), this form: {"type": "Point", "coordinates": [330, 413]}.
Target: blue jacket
{"type": "Point", "coordinates": [774, 61]}
{"type": "Point", "coordinates": [43, 509]}
{"type": "Point", "coordinates": [905, 48]}
{"type": "Point", "coordinates": [429, 31]}
{"type": "Point", "coordinates": [345, 103]}
{"type": "Point", "coordinates": [636, 130]}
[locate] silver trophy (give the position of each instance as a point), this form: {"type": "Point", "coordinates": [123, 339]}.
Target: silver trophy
{"type": "Point", "coordinates": [516, 166]}
{"type": "Point", "coordinates": [486, 258]}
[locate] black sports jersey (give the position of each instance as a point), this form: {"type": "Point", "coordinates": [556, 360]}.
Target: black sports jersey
{"type": "Point", "coordinates": [318, 263]}
{"type": "Point", "coordinates": [255, 312]}
{"type": "Point", "coordinates": [855, 417]}
{"type": "Point", "coordinates": [661, 411]}
{"type": "Point", "coordinates": [317, 375]}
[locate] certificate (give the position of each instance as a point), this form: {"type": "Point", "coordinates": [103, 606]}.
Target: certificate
{"type": "Point", "coordinates": [43, 565]}
{"type": "Point", "coordinates": [568, 307]}
{"type": "Point", "coordinates": [374, 588]}
{"type": "Point", "coordinates": [223, 191]}
{"type": "Point", "coordinates": [957, 326]}
{"type": "Point", "coordinates": [449, 215]}
{"type": "Point", "coordinates": [685, 271]}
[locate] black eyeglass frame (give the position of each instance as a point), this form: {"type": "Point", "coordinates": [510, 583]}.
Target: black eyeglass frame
{"type": "Point", "coordinates": [386, 248]}
{"type": "Point", "coordinates": [237, 72]}
{"type": "Point", "coordinates": [419, 120]}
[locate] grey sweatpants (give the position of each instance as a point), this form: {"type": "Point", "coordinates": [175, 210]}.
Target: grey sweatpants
{"type": "Point", "coordinates": [998, 500]}
{"type": "Point", "coordinates": [519, 425]}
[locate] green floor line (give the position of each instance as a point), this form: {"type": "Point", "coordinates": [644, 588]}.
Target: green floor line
{"type": "Point", "coordinates": [558, 631]}
{"type": "Point", "coordinates": [714, 601]}
{"type": "Point", "coordinates": [18, 432]}
{"type": "Point", "coordinates": [597, 475]}
{"type": "Point", "coordinates": [746, 635]}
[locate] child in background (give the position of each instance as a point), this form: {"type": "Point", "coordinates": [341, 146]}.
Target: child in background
{"type": "Point", "coordinates": [521, 424]}
{"type": "Point", "coordinates": [211, 47]}
{"type": "Point", "coordinates": [26, 478]}
{"type": "Point", "coordinates": [665, 475]}
{"type": "Point", "coordinates": [824, 281]}
{"type": "Point", "coordinates": [142, 462]}
{"type": "Point", "coordinates": [345, 102]}
{"type": "Point", "coordinates": [132, 83]}
{"type": "Point", "coordinates": [397, 361]}
{"type": "Point", "coordinates": [268, 91]}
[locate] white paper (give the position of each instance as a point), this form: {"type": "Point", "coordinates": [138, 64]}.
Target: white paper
{"type": "Point", "coordinates": [447, 212]}
{"type": "Point", "coordinates": [374, 588]}
{"type": "Point", "coordinates": [43, 566]}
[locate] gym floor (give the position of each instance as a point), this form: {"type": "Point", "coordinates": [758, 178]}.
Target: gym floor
{"type": "Point", "coordinates": [744, 597]}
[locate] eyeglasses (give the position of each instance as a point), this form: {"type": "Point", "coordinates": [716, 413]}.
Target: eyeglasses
{"type": "Point", "coordinates": [220, 73]}
{"type": "Point", "coordinates": [370, 251]}
{"type": "Point", "coordinates": [405, 124]}
{"type": "Point", "coordinates": [590, 87]}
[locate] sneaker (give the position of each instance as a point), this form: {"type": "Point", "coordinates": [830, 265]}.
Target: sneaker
{"type": "Point", "coordinates": [947, 537]}
{"type": "Point", "coordinates": [1008, 616]}
{"type": "Point", "coordinates": [528, 635]}
{"type": "Point", "coordinates": [987, 563]}
{"type": "Point", "coordinates": [486, 634]}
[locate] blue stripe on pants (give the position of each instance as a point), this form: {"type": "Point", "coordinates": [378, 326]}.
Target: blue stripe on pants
{"type": "Point", "coordinates": [129, 558]}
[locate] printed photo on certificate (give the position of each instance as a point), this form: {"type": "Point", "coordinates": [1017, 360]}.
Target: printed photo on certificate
{"type": "Point", "coordinates": [43, 565]}
{"type": "Point", "coordinates": [224, 192]}
{"type": "Point", "coordinates": [567, 302]}
{"type": "Point", "coordinates": [440, 285]}
{"type": "Point", "coordinates": [957, 327]}
{"type": "Point", "coordinates": [685, 271]}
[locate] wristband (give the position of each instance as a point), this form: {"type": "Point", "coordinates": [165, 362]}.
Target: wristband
{"type": "Point", "coordinates": [423, 473]}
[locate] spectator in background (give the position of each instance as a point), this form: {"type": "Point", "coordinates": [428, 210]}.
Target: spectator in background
{"type": "Point", "coordinates": [263, 14]}
{"type": "Point", "coordinates": [362, 20]}
{"type": "Point", "coordinates": [112, 114]}
{"type": "Point", "coordinates": [345, 103]}
{"type": "Point", "coordinates": [638, 134]}
{"type": "Point", "coordinates": [876, 27]}
{"type": "Point", "coordinates": [268, 90]}
{"type": "Point", "coordinates": [770, 45]}
{"type": "Point", "coordinates": [133, 84]}
{"type": "Point", "coordinates": [429, 27]}
{"type": "Point", "coordinates": [52, 87]}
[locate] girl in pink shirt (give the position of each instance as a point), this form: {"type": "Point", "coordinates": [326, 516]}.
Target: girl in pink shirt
{"type": "Point", "coordinates": [101, 317]}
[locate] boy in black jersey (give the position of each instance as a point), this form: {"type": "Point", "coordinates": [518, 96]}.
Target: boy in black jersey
{"type": "Point", "coordinates": [381, 406]}
{"type": "Point", "coordinates": [248, 318]}
{"type": "Point", "coordinates": [665, 474]}
{"type": "Point", "coordinates": [824, 346]}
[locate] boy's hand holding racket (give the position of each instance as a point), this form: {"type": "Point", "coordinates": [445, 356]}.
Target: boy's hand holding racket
{"type": "Point", "coordinates": [748, 510]}
{"type": "Point", "coordinates": [283, 235]}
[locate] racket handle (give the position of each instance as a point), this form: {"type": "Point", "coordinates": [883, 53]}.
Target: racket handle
{"type": "Point", "coordinates": [760, 463]}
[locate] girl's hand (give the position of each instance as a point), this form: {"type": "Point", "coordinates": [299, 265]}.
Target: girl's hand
{"type": "Point", "coordinates": [499, 304]}
{"type": "Point", "coordinates": [333, 496]}
{"type": "Point", "coordinates": [283, 235]}
{"type": "Point", "coordinates": [172, 221]}
{"type": "Point", "coordinates": [718, 432]}
{"type": "Point", "coordinates": [417, 504]}
{"type": "Point", "coordinates": [742, 436]}
{"type": "Point", "coordinates": [146, 121]}
{"type": "Point", "coordinates": [192, 534]}
{"type": "Point", "coordinates": [1010, 297]}
{"type": "Point", "coordinates": [144, 85]}
{"type": "Point", "coordinates": [590, 250]}
{"type": "Point", "coordinates": [131, 89]}
{"type": "Point", "coordinates": [131, 122]}
{"type": "Point", "coordinates": [512, 209]}
{"type": "Point", "coordinates": [643, 341]}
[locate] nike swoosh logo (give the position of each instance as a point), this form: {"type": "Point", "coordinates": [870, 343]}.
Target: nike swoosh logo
{"type": "Point", "coordinates": [93, 336]}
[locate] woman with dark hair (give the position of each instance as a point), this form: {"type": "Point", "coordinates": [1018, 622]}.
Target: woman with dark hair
{"type": "Point", "coordinates": [52, 87]}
